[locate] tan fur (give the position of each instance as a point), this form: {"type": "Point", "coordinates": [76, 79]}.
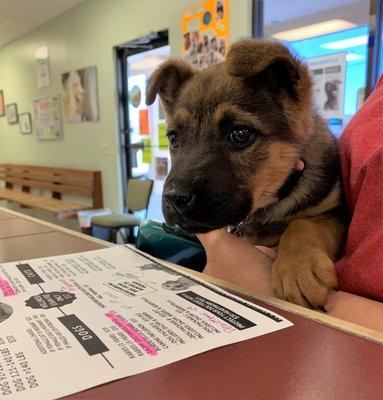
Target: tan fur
{"type": "Point", "coordinates": [166, 81]}
{"type": "Point", "coordinates": [247, 57]}
{"type": "Point", "coordinates": [240, 116]}
{"type": "Point", "coordinates": [181, 117]}
{"type": "Point", "coordinates": [328, 203]}
{"type": "Point", "coordinates": [273, 173]}
{"type": "Point", "coordinates": [303, 272]}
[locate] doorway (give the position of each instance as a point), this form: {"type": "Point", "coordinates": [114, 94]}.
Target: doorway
{"type": "Point", "coordinates": [144, 149]}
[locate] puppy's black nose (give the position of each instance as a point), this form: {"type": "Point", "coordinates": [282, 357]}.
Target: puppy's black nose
{"type": "Point", "coordinates": [179, 199]}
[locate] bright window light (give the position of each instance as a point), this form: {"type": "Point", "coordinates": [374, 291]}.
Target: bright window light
{"type": "Point", "coordinates": [321, 28]}
{"type": "Point", "coordinates": [150, 62]}
{"type": "Point", "coordinates": [346, 43]}
{"type": "Point", "coordinates": [353, 57]}
{"type": "Point", "coordinates": [356, 60]}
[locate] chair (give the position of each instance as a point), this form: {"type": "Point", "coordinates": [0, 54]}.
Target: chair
{"type": "Point", "coordinates": [137, 199]}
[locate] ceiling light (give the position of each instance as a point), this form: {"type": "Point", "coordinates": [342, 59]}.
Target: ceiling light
{"type": "Point", "coordinates": [346, 43]}
{"type": "Point", "coordinates": [150, 62]}
{"type": "Point", "coordinates": [353, 57]}
{"type": "Point", "coordinates": [321, 28]}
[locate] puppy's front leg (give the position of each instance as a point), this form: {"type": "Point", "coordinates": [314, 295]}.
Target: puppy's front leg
{"type": "Point", "coordinates": [303, 272]}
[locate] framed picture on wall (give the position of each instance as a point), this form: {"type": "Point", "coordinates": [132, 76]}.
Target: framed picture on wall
{"type": "Point", "coordinates": [47, 118]}
{"type": "Point", "coordinates": [2, 106]}
{"type": "Point", "coordinates": [25, 123]}
{"type": "Point", "coordinates": [80, 95]}
{"type": "Point", "coordinates": [11, 112]}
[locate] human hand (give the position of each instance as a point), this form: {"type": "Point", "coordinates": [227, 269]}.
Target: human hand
{"type": "Point", "coordinates": [236, 260]}
{"type": "Point", "coordinates": [212, 238]}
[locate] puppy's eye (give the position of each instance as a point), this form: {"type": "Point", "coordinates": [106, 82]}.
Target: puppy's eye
{"type": "Point", "coordinates": [241, 136]}
{"type": "Point", "coordinates": [173, 139]}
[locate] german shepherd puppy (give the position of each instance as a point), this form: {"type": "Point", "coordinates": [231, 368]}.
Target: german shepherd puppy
{"type": "Point", "coordinates": [248, 149]}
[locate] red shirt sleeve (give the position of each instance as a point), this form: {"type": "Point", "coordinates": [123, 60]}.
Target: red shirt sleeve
{"type": "Point", "coordinates": [360, 270]}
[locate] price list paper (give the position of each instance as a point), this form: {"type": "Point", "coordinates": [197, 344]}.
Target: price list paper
{"type": "Point", "coordinates": [97, 316]}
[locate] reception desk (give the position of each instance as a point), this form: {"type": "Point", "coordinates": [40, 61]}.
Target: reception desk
{"type": "Point", "coordinates": [320, 357]}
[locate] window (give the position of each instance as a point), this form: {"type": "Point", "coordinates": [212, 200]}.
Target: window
{"type": "Point", "coordinates": [317, 30]}
{"type": "Point", "coordinates": [353, 42]}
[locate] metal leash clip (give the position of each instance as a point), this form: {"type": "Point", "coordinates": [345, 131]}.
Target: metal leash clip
{"type": "Point", "coordinates": [237, 230]}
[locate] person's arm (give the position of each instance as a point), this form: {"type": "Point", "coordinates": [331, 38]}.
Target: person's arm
{"type": "Point", "coordinates": [237, 261]}
{"type": "Point", "coordinates": [356, 309]}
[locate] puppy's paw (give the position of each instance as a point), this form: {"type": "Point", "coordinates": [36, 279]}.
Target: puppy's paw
{"type": "Point", "coordinates": [303, 277]}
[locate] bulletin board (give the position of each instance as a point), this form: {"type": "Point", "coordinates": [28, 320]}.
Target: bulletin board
{"type": "Point", "coordinates": [47, 118]}
{"type": "Point", "coordinates": [205, 31]}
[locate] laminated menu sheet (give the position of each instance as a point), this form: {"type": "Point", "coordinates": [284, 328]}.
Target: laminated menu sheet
{"type": "Point", "coordinates": [71, 322]}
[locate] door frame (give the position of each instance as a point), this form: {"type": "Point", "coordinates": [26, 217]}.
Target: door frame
{"type": "Point", "coordinates": [122, 52]}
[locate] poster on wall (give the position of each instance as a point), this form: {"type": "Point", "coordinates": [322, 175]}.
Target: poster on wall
{"type": "Point", "coordinates": [329, 78]}
{"type": "Point", "coordinates": [47, 118]}
{"type": "Point", "coordinates": [136, 88]}
{"type": "Point", "coordinates": [25, 123]}
{"type": "Point", "coordinates": [205, 31]}
{"type": "Point", "coordinates": [12, 114]}
{"type": "Point", "coordinates": [163, 142]}
{"type": "Point", "coordinates": [144, 122]}
{"type": "Point", "coordinates": [80, 95]}
{"type": "Point", "coordinates": [161, 168]}
{"type": "Point", "coordinates": [2, 105]}
{"type": "Point", "coordinates": [42, 67]}
{"type": "Point", "coordinates": [147, 151]}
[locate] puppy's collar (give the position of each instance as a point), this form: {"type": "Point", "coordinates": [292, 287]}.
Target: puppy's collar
{"type": "Point", "coordinates": [238, 230]}
{"type": "Point", "coordinates": [292, 180]}
{"type": "Point", "coordinates": [287, 187]}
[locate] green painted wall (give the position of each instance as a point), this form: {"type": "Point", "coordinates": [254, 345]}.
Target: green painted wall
{"type": "Point", "coordinates": [82, 37]}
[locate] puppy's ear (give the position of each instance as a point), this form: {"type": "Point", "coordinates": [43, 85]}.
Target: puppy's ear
{"type": "Point", "coordinates": [265, 63]}
{"type": "Point", "coordinates": [167, 80]}
{"type": "Point", "coordinates": [270, 60]}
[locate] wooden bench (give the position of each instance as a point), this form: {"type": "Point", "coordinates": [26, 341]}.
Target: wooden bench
{"type": "Point", "coordinates": [20, 179]}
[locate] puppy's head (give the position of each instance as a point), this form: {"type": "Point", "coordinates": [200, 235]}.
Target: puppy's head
{"type": "Point", "coordinates": [235, 132]}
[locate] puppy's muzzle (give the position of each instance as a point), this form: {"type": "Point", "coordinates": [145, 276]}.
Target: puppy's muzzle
{"type": "Point", "coordinates": [183, 198]}
{"type": "Point", "coordinates": [180, 200]}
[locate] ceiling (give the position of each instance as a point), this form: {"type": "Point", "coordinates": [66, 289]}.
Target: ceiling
{"type": "Point", "coordinates": [281, 11]}
{"type": "Point", "coordinates": [18, 17]}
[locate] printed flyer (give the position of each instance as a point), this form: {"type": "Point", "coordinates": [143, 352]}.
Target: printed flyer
{"type": "Point", "coordinates": [329, 78]}
{"type": "Point", "coordinates": [205, 31]}
{"type": "Point", "coordinates": [102, 315]}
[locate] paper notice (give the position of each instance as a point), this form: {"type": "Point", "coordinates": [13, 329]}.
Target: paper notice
{"type": "Point", "coordinates": [329, 78]}
{"type": "Point", "coordinates": [102, 315]}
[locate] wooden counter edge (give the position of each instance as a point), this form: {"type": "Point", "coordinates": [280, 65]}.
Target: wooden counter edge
{"type": "Point", "coordinates": [322, 318]}
{"type": "Point", "coordinates": [58, 227]}
{"type": "Point", "coordinates": [316, 316]}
